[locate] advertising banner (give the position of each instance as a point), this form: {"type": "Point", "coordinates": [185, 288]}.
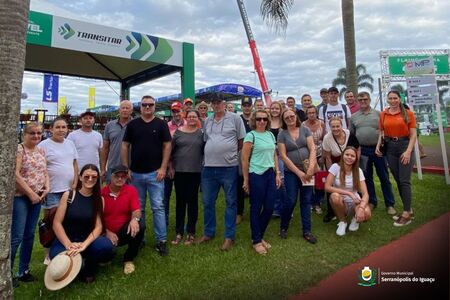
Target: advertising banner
{"type": "Point", "coordinates": [91, 97]}
{"type": "Point", "coordinates": [397, 63]}
{"type": "Point", "coordinates": [62, 102]}
{"type": "Point", "coordinates": [51, 87]}
{"type": "Point", "coordinates": [39, 30]}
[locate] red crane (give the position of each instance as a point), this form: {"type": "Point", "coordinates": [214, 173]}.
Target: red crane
{"type": "Point", "coordinates": [256, 60]}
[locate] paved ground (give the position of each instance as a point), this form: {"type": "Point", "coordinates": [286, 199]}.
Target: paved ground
{"type": "Point", "coordinates": [434, 156]}
{"type": "Point", "coordinates": [422, 254]}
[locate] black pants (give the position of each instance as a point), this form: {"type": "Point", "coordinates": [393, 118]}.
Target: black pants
{"type": "Point", "coordinates": [186, 188]}
{"type": "Point", "coordinates": [132, 242]}
{"type": "Point", "coordinates": [240, 196]}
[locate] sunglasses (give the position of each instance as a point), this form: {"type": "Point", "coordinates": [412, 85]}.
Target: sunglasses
{"type": "Point", "coordinates": [261, 119]}
{"type": "Point", "coordinates": [120, 176]}
{"type": "Point", "coordinates": [87, 177]}
{"type": "Point", "coordinates": [147, 105]}
{"type": "Point", "coordinates": [34, 132]}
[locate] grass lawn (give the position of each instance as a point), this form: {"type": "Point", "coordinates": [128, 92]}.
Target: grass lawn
{"type": "Point", "coordinates": [433, 140]}
{"type": "Point", "coordinates": [204, 272]}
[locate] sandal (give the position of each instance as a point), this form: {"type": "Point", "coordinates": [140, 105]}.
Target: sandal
{"type": "Point", "coordinates": [266, 244]}
{"type": "Point", "coordinates": [260, 249]}
{"type": "Point", "coordinates": [189, 239]}
{"type": "Point", "coordinates": [177, 239]}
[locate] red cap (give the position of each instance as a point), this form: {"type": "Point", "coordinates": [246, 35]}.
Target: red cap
{"type": "Point", "coordinates": [176, 105]}
{"type": "Point", "coordinates": [188, 100]}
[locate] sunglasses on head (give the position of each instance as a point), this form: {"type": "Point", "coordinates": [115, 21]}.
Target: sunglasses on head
{"type": "Point", "coordinates": [147, 104]}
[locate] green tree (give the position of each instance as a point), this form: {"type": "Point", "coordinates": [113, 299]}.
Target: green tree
{"type": "Point", "coordinates": [364, 80]}
{"type": "Point", "coordinates": [13, 25]}
{"type": "Point", "coordinates": [275, 13]}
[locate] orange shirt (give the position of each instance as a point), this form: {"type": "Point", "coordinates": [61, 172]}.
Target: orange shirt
{"type": "Point", "coordinates": [394, 125]}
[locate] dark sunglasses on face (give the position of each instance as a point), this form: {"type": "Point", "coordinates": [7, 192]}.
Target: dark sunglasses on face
{"type": "Point", "coordinates": [261, 119]}
{"type": "Point", "coordinates": [147, 104]}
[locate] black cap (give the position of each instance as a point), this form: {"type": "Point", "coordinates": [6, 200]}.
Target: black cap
{"type": "Point", "coordinates": [87, 113]}
{"type": "Point", "coordinates": [333, 89]}
{"type": "Point", "coordinates": [323, 90]}
{"type": "Point", "coordinates": [246, 100]}
{"type": "Point", "coordinates": [119, 169]}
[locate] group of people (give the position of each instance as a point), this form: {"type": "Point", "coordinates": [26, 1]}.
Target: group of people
{"type": "Point", "coordinates": [272, 154]}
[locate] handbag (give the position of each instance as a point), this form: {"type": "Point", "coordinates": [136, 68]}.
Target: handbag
{"type": "Point", "coordinates": [46, 233]}
{"type": "Point", "coordinates": [320, 178]}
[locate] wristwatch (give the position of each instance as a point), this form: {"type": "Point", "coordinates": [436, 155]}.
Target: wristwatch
{"type": "Point", "coordinates": [137, 219]}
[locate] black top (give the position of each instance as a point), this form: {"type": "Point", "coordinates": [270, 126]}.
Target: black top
{"type": "Point", "coordinates": [246, 124]}
{"type": "Point", "coordinates": [146, 139]}
{"type": "Point", "coordinates": [78, 221]}
{"type": "Point", "coordinates": [275, 132]}
{"type": "Point", "coordinates": [301, 115]}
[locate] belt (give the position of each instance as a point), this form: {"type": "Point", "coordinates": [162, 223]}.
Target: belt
{"type": "Point", "coordinates": [396, 138]}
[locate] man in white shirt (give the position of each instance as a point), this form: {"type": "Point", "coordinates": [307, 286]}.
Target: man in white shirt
{"type": "Point", "coordinates": [334, 109]}
{"type": "Point", "coordinates": [87, 141]}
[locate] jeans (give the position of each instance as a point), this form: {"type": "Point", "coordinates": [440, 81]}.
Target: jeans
{"type": "Point", "coordinates": [401, 172]}
{"type": "Point", "coordinates": [146, 183]}
{"type": "Point", "coordinates": [186, 184]}
{"type": "Point", "coordinates": [262, 195]}
{"type": "Point", "coordinates": [24, 219]}
{"type": "Point", "coordinates": [168, 185]}
{"type": "Point", "coordinates": [293, 185]}
{"type": "Point", "coordinates": [133, 242]}
{"type": "Point", "coordinates": [52, 200]}
{"type": "Point", "coordinates": [212, 179]}
{"type": "Point", "coordinates": [99, 251]}
{"type": "Point", "coordinates": [382, 173]}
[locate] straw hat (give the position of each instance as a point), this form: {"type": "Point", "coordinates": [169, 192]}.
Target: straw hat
{"type": "Point", "coordinates": [62, 270]}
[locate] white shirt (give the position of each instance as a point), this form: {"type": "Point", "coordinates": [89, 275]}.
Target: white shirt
{"type": "Point", "coordinates": [334, 111]}
{"type": "Point", "coordinates": [88, 145]}
{"type": "Point", "coordinates": [335, 169]}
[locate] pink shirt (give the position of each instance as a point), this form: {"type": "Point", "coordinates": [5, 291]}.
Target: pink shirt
{"type": "Point", "coordinates": [354, 107]}
{"type": "Point", "coordinates": [173, 127]}
{"type": "Point", "coordinates": [33, 168]}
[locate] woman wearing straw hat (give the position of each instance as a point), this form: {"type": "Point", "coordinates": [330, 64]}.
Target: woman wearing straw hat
{"type": "Point", "coordinates": [78, 224]}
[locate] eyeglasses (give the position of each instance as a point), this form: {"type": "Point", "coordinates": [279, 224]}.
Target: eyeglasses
{"type": "Point", "coordinates": [289, 117]}
{"type": "Point", "coordinates": [202, 107]}
{"type": "Point", "coordinates": [89, 177]}
{"type": "Point", "coordinates": [147, 105]}
{"type": "Point", "coordinates": [123, 176]}
{"type": "Point", "coordinates": [34, 132]}
{"type": "Point", "coordinates": [363, 99]}
{"type": "Point", "coordinates": [188, 104]}
{"type": "Point", "coordinates": [261, 119]}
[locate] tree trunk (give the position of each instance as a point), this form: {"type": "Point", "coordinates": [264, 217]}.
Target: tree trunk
{"type": "Point", "coordinates": [349, 45]}
{"type": "Point", "coordinates": [13, 25]}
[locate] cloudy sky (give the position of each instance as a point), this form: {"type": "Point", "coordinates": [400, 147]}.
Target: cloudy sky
{"type": "Point", "coordinates": [303, 60]}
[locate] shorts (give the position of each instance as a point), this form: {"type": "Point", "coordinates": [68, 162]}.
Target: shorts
{"type": "Point", "coordinates": [349, 205]}
{"type": "Point", "coordinates": [52, 200]}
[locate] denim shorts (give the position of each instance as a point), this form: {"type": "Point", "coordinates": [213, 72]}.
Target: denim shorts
{"type": "Point", "coordinates": [52, 200]}
{"type": "Point", "coordinates": [349, 205]}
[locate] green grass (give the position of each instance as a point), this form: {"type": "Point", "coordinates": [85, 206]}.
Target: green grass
{"type": "Point", "coordinates": [433, 140]}
{"type": "Point", "coordinates": [204, 272]}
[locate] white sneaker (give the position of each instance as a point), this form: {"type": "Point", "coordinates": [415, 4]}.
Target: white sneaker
{"type": "Point", "coordinates": [341, 228]}
{"type": "Point", "coordinates": [354, 226]}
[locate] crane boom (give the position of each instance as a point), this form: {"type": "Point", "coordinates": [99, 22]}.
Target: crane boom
{"type": "Point", "coordinates": [256, 59]}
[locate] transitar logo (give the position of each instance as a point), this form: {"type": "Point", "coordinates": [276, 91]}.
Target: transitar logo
{"type": "Point", "coordinates": [367, 277]}
{"type": "Point", "coordinates": [66, 31]}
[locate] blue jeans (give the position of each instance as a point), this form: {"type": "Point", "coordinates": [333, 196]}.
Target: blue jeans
{"type": "Point", "coordinates": [293, 185]}
{"type": "Point", "coordinates": [382, 173]}
{"type": "Point", "coordinates": [146, 182]}
{"type": "Point", "coordinates": [24, 219]}
{"type": "Point", "coordinates": [99, 251]}
{"type": "Point", "coordinates": [262, 195]}
{"type": "Point", "coordinates": [52, 200]}
{"type": "Point", "coordinates": [212, 179]}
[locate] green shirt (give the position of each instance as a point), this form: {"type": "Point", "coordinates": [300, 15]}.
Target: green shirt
{"type": "Point", "coordinates": [262, 152]}
{"type": "Point", "coordinates": [365, 127]}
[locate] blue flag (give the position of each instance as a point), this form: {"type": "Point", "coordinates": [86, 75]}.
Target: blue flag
{"type": "Point", "coordinates": [51, 87]}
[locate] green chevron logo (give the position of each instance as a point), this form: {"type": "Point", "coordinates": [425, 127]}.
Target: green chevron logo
{"type": "Point", "coordinates": [148, 48]}
{"type": "Point", "coordinates": [66, 31]}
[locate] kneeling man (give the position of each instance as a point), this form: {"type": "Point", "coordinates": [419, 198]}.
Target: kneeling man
{"type": "Point", "coordinates": [122, 215]}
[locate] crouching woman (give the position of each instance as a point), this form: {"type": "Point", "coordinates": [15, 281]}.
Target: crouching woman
{"type": "Point", "coordinates": [344, 181]}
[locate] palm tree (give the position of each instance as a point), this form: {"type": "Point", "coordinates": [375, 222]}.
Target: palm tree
{"type": "Point", "coordinates": [275, 13]}
{"type": "Point", "coordinates": [364, 80]}
{"type": "Point", "coordinates": [14, 16]}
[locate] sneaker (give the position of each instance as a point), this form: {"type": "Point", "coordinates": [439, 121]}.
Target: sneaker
{"type": "Point", "coordinates": [341, 228]}
{"type": "Point", "coordinates": [283, 234]}
{"type": "Point", "coordinates": [396, 217]}
{"type": "Point", "coordinates": [402, 221]}
{"type": "Point", "coordinates": [26, 277]}
{"type": "Point", "coordinates": [391, 210]}
{"type": "Point", "coordinates": [161, 248]}
{"type": "Point", "coordinates": [354, 226]}
{"type": "Point", "coordinates": [227, 243]}
{"type": "Point", "coordinates": [317, 210]}
{"type": "Point", "coordinates": [310, 238]}
{"type": "Point", "coordinates": [128, 267]}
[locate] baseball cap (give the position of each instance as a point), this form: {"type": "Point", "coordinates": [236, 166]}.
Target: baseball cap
{"type": "Point", "coordinates": [119, 169]}
{"type": "Point", "coordinates": [87, 113]}
{"type": "Point", "coordinates": [188, 100]}
{"type": "Point", "coordinates": [323, 90]}
{"type": "Point", "coordinates": [176, 105]}
{"type": "Point", "coordinates": [333, 89]}
{"type": "Point", "coordinates": [246, 100]}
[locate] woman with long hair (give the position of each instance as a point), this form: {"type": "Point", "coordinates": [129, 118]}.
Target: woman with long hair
{"type": "Point", "coordinates": [344, 181]}
{"type": "Point", "coordinates": [261, 176]}
{"type": "Point", "coordinates": [32, 186]}
{"type": "Point", "coordinates": [78, 223]}
{"type": "Point", "coordinates": [298, 152]}
{"type": "Point", "coordinates": [317, 128]}
{"type": "Point", "coordinates": [398, 131]}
